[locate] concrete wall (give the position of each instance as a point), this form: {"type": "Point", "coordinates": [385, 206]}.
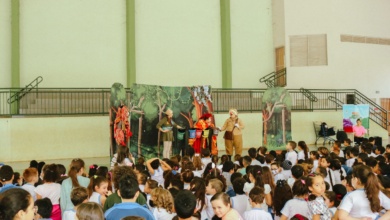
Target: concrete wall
{"type": "Point", "coordinates": [63, 138]}
{"type": "Point", "coordinates": [350, 65]}
{"type": "Point", "coordinates": [178, 42]}
{"type": "Point", "coordinates": [23, 139]}
{"type": "Point", "coordinates": [252, 42]}
{"type": "Point", "coordinates": [5, 44]}
{"type": "Point", "coordinates": [73, 43]}
{"type": "Point", "coordinates": [278, 23]}
{"type": "Point", "coordinates": [77, 43]}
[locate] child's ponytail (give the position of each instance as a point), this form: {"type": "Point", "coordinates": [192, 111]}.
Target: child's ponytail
{"type": "Point", "coordinates": [75, 167]}
{"type": "Point", "coordinates": [336, 165]}
{"type": "Point", "coordinates": [372, 189]}
{"type": "Point", "coordinates": [256, 173]}
{"type": "Point", "coordinates": [299, 188]}
{"type": "Point", "coordinates": [304, 147]}
{"type": "Point", "coordinates": [371, 185]}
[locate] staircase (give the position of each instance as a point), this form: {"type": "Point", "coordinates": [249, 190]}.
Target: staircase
{"type": "Point", "coordinates": [19, 94]}
{"type": "Point", "coordinates": [271, 79]}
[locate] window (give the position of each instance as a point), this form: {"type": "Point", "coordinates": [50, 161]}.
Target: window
{"type": "Point", "coordinates": [308, 50]}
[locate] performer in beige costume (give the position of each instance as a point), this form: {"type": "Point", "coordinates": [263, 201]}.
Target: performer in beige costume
{"type": "Point", "coordinates": [237, 124]}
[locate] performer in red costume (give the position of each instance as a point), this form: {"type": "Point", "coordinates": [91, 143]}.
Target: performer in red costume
{"type": "Point", "coordinates": [203, 124]}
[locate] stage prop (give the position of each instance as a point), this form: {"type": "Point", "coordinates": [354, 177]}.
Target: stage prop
{"type": "Point", "coordinates": [147, 107]}
{"type": "Point", "coordinates": [353, 112]}
{"type": "Point", "coordinates": [119, 118]}
{"type": "Point", "coordinates": [276, 110]}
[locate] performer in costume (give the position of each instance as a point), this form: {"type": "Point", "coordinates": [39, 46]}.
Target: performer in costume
{"type": "Point", "coordinates": [165, 125]}
{"type": "Point", "coordinates": [202, 124]}
{"type": "Point", "coordinates": [235, 125]}
{"type": "Point", "coordinates": [122, 131]}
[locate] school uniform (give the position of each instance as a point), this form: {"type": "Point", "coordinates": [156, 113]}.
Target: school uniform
{"type": "Point", "coordinates": [292, 156]}
{"type": "Point", "coordinates": [350, 162]}
{"type": "Point", "coordinates": [337, 176]}
{"type": "Point", "coordinates": [241, 203]}
{"type": "Point", "coordinates": [295, 206]}
{"type": "Point", "coordinates": [158, 176]}
{"type": "Point", "coordinates": [95, 197]}
{"type": "Point", "coordinates": [358, 206]}
{"type": "Point", "coordinates": [330, 178]}
{"type": "Point", "coordinates": [257, 214]}
{"type": "Point", "coordinates": [315, 166]}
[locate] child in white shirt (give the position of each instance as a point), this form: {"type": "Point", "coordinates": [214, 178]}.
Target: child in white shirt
{"type": "Point", "coordinates": [206, 159]}
{"type": "Point", "coordinates": [291, 155]}
{"type": "Point", "coordinates": [78, 196]}
{"type": "Point", "coordinates": [314, 156]}
{"type": "Point", "coordinates": [330, 178]}
{"type": "Point", "coordinates": [256, 198]}
{"type": "Point", "coordinates": [240, 201]}
{"type": "Point", "coordinates": [30, 175]}
{"type": "Point", "coordinates": [213, 187]}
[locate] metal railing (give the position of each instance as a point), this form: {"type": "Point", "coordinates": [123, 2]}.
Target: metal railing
{"type": "Point", "coordinates": [271, 79]}
{"type": "Point", "coordinates": [55, 101]}
{"type": "Point", "coordinates": [338, 102]}
{"type": "Point", "coordinates": [250, 100]}
{"type": "Point", "coordinates": [81, 101]}
{"type": "Point", "coordinates": [22, 92]}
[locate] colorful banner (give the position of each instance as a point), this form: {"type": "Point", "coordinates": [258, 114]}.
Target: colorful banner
{"type": "Point", "coordinates": [353, 112]}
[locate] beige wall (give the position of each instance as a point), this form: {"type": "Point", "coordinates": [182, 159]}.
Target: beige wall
{"type": "Point", "coordinates": [76, 43]}
{"type": "Point", "coordinates": [252, 42]}
{"type": "Point", "coordinates": [63, 138]}
{"type": "Point", "coordinates": [278, 23]}
{"type": "Point", "coordinates": [5, 43]}
{"type": "Point", "coordinates": [83, 43]}
{"type": "Point", "coordinates": [23, 139]}
{"type": "Point", "coordinates": [350, 65]}
{"type": "Point", "coordinates": [73, 43]}
{"type": "Point", "coordinates": [178, 42]}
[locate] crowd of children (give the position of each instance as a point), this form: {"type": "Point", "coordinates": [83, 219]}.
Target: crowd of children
{"type": "Point", "coordinates": [344, 182]}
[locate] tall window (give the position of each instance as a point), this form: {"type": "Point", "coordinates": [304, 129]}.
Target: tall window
{"type": "Point", "coordinates": [308, 50]}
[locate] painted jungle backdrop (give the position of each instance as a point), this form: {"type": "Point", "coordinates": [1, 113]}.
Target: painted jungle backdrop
{"type": "Point", "coordinates": [146, 106]}
{"type": "Point", "coordinates": [276, 118]}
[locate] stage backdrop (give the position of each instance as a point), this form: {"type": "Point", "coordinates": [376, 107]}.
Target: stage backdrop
{"type": "Point", "coordinates": [147, 107]}
{"type": "Point", "coordinates": [353, 112]}
{"type": "Point", "coordinates": [276, 118]}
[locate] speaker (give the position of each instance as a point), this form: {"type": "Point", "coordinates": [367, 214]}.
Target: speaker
{"type": "Point", "coordinates": [351, 99]}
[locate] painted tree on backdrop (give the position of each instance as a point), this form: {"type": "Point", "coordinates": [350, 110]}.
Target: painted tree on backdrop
{"type": "Point", "coordinates": [155, 101]}
{"type": "Point", "coordinates": [276, 117]}
{"type": "Point", "coordinates": [201, 96]}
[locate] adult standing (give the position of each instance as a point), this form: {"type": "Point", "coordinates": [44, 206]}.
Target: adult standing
{"type": "Point", "coordinates": [233, 135]}
{"type": "Point", "coordinates": [165, 125]}
{"type": "Point", "coordinates": [358, 131]}
{"type": "Point", "coordinates": [203, 124]}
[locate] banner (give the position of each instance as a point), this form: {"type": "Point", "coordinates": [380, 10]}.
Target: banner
{"type": "Point", "coordinates": [353, 112]}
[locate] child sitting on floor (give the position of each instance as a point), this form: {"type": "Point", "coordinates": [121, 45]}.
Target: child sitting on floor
{"type": "Point", "coordinates": [256, 198]}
